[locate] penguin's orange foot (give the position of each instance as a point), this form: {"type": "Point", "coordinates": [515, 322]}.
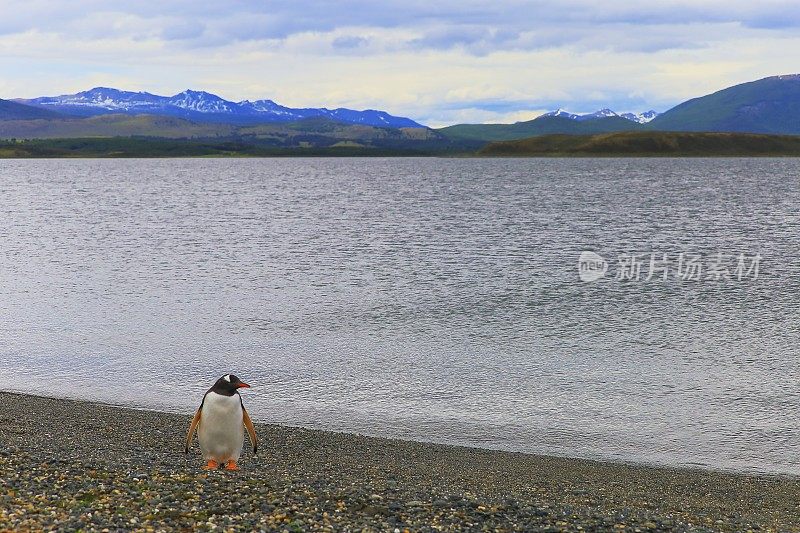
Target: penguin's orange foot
{"type": "Point", "coordinates": [212, 465]}
{"type": "Point", "coordinates": [231, 465]}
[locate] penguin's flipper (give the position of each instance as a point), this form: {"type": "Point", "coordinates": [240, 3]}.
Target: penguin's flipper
{"type": "Point", "coordinates": [251, 430]}
{"type": "Point", "coordinates": [192, 427]}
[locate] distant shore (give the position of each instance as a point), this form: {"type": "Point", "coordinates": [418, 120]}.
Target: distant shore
{"type": "Point", "coordinates": [79, 465]}
{"type": "Point", "coordinates": [649, 144]}
{"type": "Point", "coordinates": [621, 144]}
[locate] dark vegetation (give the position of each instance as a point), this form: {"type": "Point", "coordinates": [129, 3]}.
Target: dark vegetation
{"type": "Point", "coordinates": [159, 147]}
{"type": "Point", "coordinates": [161, 136]}
{"type": "Point", "coordinates": [674, 144]}
{"type": "Point", "coordinates": [680, 144]}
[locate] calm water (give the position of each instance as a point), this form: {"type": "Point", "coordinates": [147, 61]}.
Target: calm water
{"type": "Point", "coordinates": [432, 299]}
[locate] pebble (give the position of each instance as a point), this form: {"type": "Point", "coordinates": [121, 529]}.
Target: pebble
{"type": "Point", "coordinates": [64, 476]}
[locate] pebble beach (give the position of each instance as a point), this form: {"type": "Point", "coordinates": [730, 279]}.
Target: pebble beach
{"type": "Point", "coordinates": [80, 466]}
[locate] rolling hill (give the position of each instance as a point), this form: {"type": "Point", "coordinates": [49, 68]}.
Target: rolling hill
{"type": "Point", "coordinates": [110, 126]}
{"type": "Point", "coordinates": [543, 125]}
{"type": "Point", "coordinates": [315, 132]}
{"type": "Point", "coordinates": [769, 105]}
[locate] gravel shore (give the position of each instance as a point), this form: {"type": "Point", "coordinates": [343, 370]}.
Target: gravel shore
{"type": "Point", "coordinates": [68, 465]}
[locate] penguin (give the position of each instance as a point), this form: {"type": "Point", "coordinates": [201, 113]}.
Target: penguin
{"type": "Point", "coordinates": [220, 421]}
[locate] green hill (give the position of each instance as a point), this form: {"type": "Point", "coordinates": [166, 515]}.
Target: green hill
{"type": "Point", "coordinates": [318, 132]}
{"type": "Point", "coordinates": [769, 105]}
{"type": "Point", "coordinates": [111, 126]}
{"type": "Point", "coordinates": [677, 144]}
{"type": "Point", "coordinates": [543, 125]}
{"type": "Point", "coordinates": [14, 111]}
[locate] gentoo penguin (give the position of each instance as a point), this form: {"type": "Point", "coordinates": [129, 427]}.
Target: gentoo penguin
{"type": "Point", "coordinates": [219, 422]}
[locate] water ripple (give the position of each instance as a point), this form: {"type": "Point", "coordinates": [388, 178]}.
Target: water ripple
{"type": "Point", "coordinates": [435, 299]}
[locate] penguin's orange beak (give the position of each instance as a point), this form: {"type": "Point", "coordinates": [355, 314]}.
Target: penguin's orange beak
{"type": "Point", "coordinates": [242, 385]}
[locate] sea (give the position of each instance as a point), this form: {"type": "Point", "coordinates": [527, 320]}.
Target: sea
{"type": "Point", "coordinates": [633, 310]}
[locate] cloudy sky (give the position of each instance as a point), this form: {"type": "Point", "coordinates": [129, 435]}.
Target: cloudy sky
{"type": "Point", "coordinates": [437, 61]}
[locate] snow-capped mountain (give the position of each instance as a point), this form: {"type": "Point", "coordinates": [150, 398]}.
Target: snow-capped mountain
{"type": "Point", "coordinates": [202, 102]}
{"type": "Point", "coordinates": [602, 113]}
{"type": "Point", "coordinates": [641, 118]}
{"type": "Point", "coordinates": [97, 98]}
{"type": "Point", "coordinates": [561, 113]}
{"type": "Point", "coordinates": [201, 106]}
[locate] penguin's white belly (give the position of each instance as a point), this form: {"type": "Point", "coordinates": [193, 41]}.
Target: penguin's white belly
{"type": "Point", "coordinates": [221, 431]}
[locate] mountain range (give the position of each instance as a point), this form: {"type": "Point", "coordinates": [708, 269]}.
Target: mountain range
{"type": "Point", "coordinates": [640, 118]}
{"type": "Point", "coordinates": [201, 106]}
{"type": "Point", "coordinates": [766, 106]}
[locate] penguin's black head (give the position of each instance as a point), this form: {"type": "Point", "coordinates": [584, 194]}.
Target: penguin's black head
{"type": "Point", "coordinates": [228, 385]}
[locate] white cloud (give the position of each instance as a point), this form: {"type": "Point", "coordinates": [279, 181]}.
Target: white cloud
{"type": "Point", "coordinates": [434, 61]}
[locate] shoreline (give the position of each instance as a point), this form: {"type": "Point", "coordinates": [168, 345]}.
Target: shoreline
{"type": "Point", "coordinates": [72, 464]}
{"type": "Point", "coordinates": [689, 467]}
{"type": "Point", "coordinates": [467, 155]}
